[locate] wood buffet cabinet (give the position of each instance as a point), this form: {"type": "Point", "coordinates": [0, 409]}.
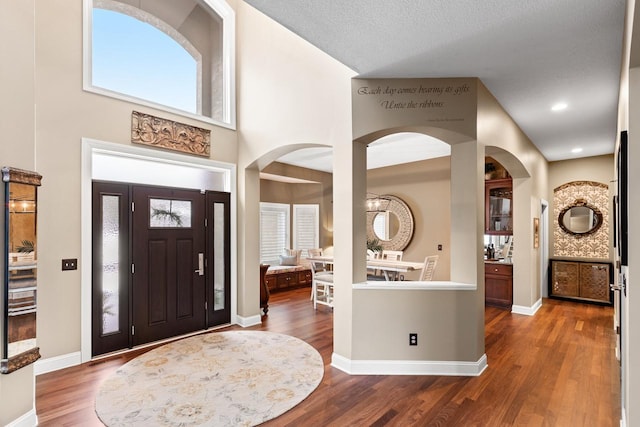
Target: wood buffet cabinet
{"type": "Point", "coordinates": [581, 280]}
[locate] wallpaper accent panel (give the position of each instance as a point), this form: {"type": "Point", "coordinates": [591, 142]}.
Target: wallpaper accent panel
{"type": "Point", "coordinates": [595, 245]}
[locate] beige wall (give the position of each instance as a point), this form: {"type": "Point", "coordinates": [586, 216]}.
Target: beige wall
{"type": "Point", "coordinates": [631, 304]}
{"type": "Point", "coordinates": [290, 95]}
{"type": "Point", "coordinates": [505, 142]}
{"type": "Point", "coordinates": [446, 109]}
{"type": "Point", "coordinates": [52, 146]}
{"type": "Point", "coordinates": [459, 118]}
{"type": "Point", "coordinates": [443, 108]}
{"type": "Point", "coordinates": [426, 188]}
{"type": "Point", "coordinates": [320, 192]}
{"type": "Point", "coordinates": [18, 149]}
{"type": "Point", "coordinates": [66, 114]}
{"type": "Point", "coordinates": [599, 169]}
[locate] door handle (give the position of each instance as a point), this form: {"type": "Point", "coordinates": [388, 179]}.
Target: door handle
{"type": "Point", "coordinates": [615, 287]}
{"type": "Point", "coordinates": [200, 269]}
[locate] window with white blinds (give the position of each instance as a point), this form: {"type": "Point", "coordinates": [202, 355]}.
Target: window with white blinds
{"type": "Point", "coordinates": [306, 227]}
{"type": "Point", "coordinates": [274, 231]}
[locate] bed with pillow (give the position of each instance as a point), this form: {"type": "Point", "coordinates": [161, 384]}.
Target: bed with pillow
{"type": "Point", "coordinates": [291, 273]}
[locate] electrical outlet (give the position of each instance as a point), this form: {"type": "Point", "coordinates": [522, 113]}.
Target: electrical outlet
{"type": "Point", "coordinates": [69, 264]}
{"type": "Point", "coordinates": [440, 247]}
{"type": "Point", "coordinates": [413, 339]}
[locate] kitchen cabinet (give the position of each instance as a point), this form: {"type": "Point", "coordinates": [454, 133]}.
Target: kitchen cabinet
{"type": "Point", "coordinates": [498, 284]}
{"type": "Point", "coordinates": [499, 207]}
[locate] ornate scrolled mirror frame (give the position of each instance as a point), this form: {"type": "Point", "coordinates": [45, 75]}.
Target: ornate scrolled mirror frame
{"type": "Point", "coordinates": [19, 270]}
{"type": "Point", "coordinates": [406, 227]}
{"type": "Point", "coordinates": [581, 203]}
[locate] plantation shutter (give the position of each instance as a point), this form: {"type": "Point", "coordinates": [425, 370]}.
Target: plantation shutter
{"type": "Point", "coordinates": [381, 225]}
{"type": "Point", "coordinates": [306, 227]}
{"type": "Point", "coordinates": [274, 231]}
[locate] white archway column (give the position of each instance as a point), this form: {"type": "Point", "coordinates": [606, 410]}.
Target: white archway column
{"type": "Point", "coordinates": [248, 254]}
{"type": "Point", "coordinates": [526, 289]}
{"type": "Point", "coordinates": [349, 194]}
{"type": "Point", "coordinates": [467, 232]}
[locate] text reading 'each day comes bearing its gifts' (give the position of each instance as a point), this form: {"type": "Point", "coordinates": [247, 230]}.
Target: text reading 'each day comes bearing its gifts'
{"type": "Point", "coordinates": [390, 104]}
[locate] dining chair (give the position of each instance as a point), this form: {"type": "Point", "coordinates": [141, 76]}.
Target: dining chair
{"type": "Point", "coordinates": [316, 266]}
{"type": "Point", "coordinates": [429, 267]}
{"type": "Point", "coordinates": [392, 255]}
{"type": "Point", "coordinates": [321, 287]}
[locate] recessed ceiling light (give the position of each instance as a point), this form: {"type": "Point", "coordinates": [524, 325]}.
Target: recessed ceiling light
{"type": "Point", "coordinates": [576, 150]}
{"type": "Point", "coordinates": [559, 106]}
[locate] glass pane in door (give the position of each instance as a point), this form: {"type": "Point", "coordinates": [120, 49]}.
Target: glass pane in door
{"type": "Point", "coordinates": [218, 256]}
{"type": "Point", "coordinates": [167, 213]}
{"type": "Point", "coordinates": [500, 209]}
{"type": "Point", "coordinates": [110, 263]}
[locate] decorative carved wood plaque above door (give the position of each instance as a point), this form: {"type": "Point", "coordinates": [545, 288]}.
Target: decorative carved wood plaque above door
{"type": "Point", "coordinates": [157, 132]}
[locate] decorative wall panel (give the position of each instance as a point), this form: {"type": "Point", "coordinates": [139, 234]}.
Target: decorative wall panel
{"type": "Point", "coordinates": [157, 132]}
{"type": "Point", "coordinates": [595, 245]}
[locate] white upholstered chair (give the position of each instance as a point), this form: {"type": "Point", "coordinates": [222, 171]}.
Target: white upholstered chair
{"type": "Point", "coordinates": [429, 267]}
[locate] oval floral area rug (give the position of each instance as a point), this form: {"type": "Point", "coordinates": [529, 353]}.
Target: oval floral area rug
{"type": "Point", "coordinates": [238, 378]}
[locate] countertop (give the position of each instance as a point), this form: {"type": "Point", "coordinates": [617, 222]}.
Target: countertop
{"type": "Point", "coordinates": [498, 261]}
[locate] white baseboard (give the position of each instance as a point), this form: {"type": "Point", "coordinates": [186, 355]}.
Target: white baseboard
{"type": "Point", "coordinates": [408, 367]}
{"type": "Point", "coordinates": [528, 311]}
{"type": "Point", "coordinates": [51, 364]}
{"type": "Point", "coordinates": [30, 419]}
{"type": "Point", "coordinates": [245, 322]}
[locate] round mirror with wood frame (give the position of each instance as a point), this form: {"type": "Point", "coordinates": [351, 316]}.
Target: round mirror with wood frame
{"type": "Point", "coordinates": [580, 218]}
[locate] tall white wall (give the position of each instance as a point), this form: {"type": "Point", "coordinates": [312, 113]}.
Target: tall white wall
{"type": "Point", "coordinates": [17, 149]}
{"type": "Point", "coordinates": [290, 95]}
{"type": "Point", "coordinates": [631, 308]}
{"type": "Point", "coordinates": [46, 114]}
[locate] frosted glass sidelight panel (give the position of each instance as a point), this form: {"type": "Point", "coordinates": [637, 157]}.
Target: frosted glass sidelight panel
{"type": "Point", "coordinates": [218, 256]}
{"type": "Point", "coordinates": [110, 264]}
{"type": "Point", "coordinates": [165, 213]}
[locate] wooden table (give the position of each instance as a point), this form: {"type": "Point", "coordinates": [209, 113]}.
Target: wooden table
{"type": "Point", "coordinates": [389, 268]}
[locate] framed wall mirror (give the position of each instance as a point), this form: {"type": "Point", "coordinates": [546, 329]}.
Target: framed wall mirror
{"type": "Point", "coordinates": [19, 265]}
{"type": "Point", "coordinates": [391, 224]}
{"type": "Point", "coordinates": [580, 218]}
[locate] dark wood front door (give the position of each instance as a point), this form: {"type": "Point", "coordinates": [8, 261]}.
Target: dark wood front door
{"type": "Point", "coordinates": [161, 265]}
{"type": "Point", "coordinates": [168, 263]}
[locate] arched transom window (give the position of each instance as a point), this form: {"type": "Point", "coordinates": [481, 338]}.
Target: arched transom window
{"type": "Point", "coordinates": [174, 55]}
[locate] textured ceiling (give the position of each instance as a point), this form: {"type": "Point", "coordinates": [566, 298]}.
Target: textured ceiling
{"type": "Point", "coordinates": [530, 54]}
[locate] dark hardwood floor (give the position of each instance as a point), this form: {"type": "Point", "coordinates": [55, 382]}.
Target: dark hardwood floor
{"type": "Point", "coordinates": [557, 368]}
